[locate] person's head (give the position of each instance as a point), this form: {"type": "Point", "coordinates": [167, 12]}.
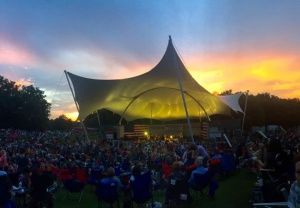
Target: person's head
{"type": "Point", "coordinates": [169, 160]}
{"type": "Point", "coordinates": [110, 172]}
{"type": "Point", "coordinates": [199, 161]}
{"type": "Point", "coordinates": [137, 169]}
{"type": "Point", "coordinates": [177, 166]}
{"type": "Point", "coordinates": [297, 171]}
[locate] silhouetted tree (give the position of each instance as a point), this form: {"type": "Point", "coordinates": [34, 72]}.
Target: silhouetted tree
{"type": "Point", "coordinates": [61, 123]}
{"type": "Point", "coordinates": [106, 117]}
{"type": "Point", "coordinates": [22, 107]}
{"type": "Point", "coordinates": [226, 92]}
{"type": "Point", "coordinates": [265, 109]}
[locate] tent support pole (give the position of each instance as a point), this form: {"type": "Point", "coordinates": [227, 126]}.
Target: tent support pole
{"type": "Point", "coordinates": [245, 108]}
{"type": "Point", "coordinates": [99, 123]}
{"type": "Point", "coordinates": [151, 105]}
{"type": "Point", "coordinates": [156, 88]}
{"type": "Point", "coordinates": [183, 96]}
{"type": "Point", "coordinates": [98, 117]}
{"type": "Point", "coordinates": [77, 107]}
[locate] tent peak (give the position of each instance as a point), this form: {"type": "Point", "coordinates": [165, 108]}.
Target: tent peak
{"type": "Point", "coordinates": [131, 97]}
{"type": "Point", "coordinates": [170, 40]}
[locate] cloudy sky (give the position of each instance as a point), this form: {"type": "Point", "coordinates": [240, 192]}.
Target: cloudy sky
{"type": "Point", "coordinates": [225, 44]}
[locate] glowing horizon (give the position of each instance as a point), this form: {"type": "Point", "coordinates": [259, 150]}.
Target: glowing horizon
{"type": "Point", "coordinates": [238, 45]}
{"type": "Point", "coordinates": [274, 73]}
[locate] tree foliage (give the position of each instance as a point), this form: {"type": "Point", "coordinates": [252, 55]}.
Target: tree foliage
{"type": "Point", "coordinates": [226, 92]}
{"type": "Point", "coordinates": [61, 123]}
{"type": "Point", "coordinates": [22, 107]}
{"type": "Point", "coordinates": [265, 109]}
{"type": "Point", "coordinates": [106, 117]}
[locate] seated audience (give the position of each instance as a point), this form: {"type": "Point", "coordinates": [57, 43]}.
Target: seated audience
{"type": "Point", "coordinates": [294, 196]}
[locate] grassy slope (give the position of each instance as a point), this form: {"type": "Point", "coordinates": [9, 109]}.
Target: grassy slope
{"type": "Point", "coordinates": [234, 192]}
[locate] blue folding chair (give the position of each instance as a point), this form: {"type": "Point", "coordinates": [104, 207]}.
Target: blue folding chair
{"type": "Point", "coordinates": [5, 195]}
{"type": "Point", "coordinates": [74, 186]}
{"type": "Point", "coordinates": [141, 187]}
{"type": "Point", "coordinates": [107, 191]}
{"type": "Point", "coordinates": [227, 163]}
{"type": "Point", "coordinates": [95, 175]}
{"type": "Point", "coordinates": [205, 180]}
{"type": "Point", "coordinates": [201, 181]}
{"type": "Point", "coordinates": [177, 192]}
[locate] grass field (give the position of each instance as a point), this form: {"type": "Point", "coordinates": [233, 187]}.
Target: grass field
{"type": "Point", "coordinates": [234, 192]}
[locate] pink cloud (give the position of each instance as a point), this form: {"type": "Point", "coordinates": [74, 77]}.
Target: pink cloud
{"type": "Point", "coordinates": [12, 54]}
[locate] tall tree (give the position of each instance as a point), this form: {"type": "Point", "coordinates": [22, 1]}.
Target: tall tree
{"type": "Point", "coordinates": [226, 92]}
{"type": "Point", "coordinates": [9, 102]}
{"type": "Point", "coordinates": [23, 107]}
{"type": "Point", "coordinates": [61, 123]}
{"type": "Point", "coordinates": [35, 108]}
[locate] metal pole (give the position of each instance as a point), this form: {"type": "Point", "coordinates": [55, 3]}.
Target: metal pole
{"type": "Point", "coordinates": [151, 114]}
{"type": "Point", "coordinates": [98, 117]}
{"type": "Point", "coordinates": [245, 108]}
{"type": "Point", "coordinates": [151, 105]}
{"type": "Point", "coordinates": [182, 95]}
{"type": "Point", "coordinates": [99, 124]}
{"type": "Point", "coordinates": [77, 107]}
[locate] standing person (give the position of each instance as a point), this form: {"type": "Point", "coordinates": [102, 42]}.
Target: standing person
{"type": "Point", "coordinates": [22, 161]}
{"type": "Point", "coordinates": [203, 153]}
{"type": "Point", "coordinates": [177, 192]}
{"type": "Point", "coordinates": [111, 178]}
{"type": "Point", "coordinates": [294, 196]}
{"type": "Point", "coordinates": [3, 160]}
{"type": "Point", "coordinates": [206, 179]}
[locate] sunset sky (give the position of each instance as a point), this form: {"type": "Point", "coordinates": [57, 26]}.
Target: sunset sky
{"type": "Point", "coordinates": [225, 44]}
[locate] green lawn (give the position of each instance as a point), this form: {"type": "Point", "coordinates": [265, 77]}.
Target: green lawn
{"type": "Point", "coordinates": [233, 192]}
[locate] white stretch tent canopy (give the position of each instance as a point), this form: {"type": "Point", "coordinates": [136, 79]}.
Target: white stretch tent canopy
{"type": "Point", "coordinates": [154, 94]}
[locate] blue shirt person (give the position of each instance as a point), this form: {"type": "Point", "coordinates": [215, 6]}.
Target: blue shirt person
{"type": "Point", "coordinates": [294, 196]}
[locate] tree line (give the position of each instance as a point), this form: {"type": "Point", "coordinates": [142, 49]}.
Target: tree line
{"type": "Point", "coordinates": [265, 109]}
{"type": "Point", "coordinates": [26, 107]}
{"type": "Point", "coordinates": [22, 107]}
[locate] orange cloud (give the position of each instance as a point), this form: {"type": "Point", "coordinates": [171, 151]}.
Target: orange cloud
{"type": "Point", "coordinates": [73, 115]}
{"type": "Point", "coordinates": [278, 73]}
{"type": "Point", "coordinates": [25, 82]}
{"type": "Point", "coordinates": [67, 109]}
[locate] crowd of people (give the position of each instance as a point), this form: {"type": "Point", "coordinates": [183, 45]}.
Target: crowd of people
{"type": "Point", "coordinates": [273, 159]}
{"type": "Point", "coordinates": [34, 161]}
